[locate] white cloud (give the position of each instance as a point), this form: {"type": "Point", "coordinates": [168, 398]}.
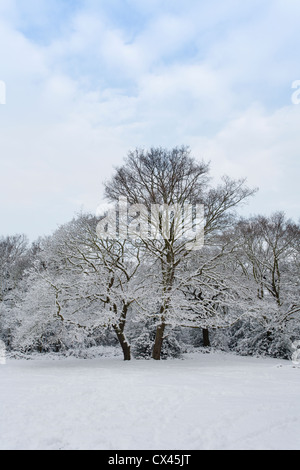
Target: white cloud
{"type": "Point", "coordinates": [194, 73]}
{"type": "Point", "coordinates": [263, 147]}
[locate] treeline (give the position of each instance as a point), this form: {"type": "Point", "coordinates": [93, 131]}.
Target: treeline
{"type": "Point", "coordinates": [155, 296]}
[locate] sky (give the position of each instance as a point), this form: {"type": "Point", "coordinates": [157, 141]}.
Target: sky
{"type": "Point", "coordinates": [88, 80]}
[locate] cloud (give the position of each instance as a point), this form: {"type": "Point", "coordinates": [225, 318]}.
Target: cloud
{"type": "Point", "coordinates": [87, 83]}
{"type": "Point", "coordinates": [263, 147]}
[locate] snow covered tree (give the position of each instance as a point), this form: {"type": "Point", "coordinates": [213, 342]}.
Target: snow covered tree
{"type": "Point", "coordinates": [36, 315]}
{"type": "Point", "coordinates": [270, 256]}
{"type": "Point", "coordinates": [105, 276]}
{"type": "Point", "coordinates": [173, 178]}
{"type": "Point", "coordinates": [15, 259]}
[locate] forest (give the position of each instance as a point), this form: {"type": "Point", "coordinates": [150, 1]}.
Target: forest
{"type": "Point", "coordinates": [155, 297]}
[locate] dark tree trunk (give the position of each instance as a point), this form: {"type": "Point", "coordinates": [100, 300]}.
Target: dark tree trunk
{"type": "Point", "coordinates": [119, 329]}
{"type": "Point", "coordinates": [168, 270]}
{"type": "Point", "coordinates": [156, 353]}
{"type": "Point", "coordinates": [124, 343]}
{"type": "Point", "coordinates": [206, 341]}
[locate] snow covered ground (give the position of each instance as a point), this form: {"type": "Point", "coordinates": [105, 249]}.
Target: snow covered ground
{"type": "Point", "coordinates": [206, 401]}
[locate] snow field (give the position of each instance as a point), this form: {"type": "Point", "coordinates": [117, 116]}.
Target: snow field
{"type": "Point", "coordinates": [206, 401]}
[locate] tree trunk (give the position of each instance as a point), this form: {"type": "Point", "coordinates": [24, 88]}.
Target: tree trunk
{"type": "Point", "coordinates": [168, 270]}
{"type": "Point", "coordinates": [206, 341]}
{"type": "Point", "coordinates": [124, 343]}
{"type": "Point", "coordinates": [156, 353]}
{"type": "Point", "coordinates": [119, 329]}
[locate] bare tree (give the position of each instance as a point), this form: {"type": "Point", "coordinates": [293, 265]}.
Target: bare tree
{"type": "Point", "coordinates": [270, 255]}
{"type": "Point", "coordinates": [173, 177]}
{"type": "Point", "coordinates": [104, 273]}
{"type": "Point", "coordinates": [14, 259]}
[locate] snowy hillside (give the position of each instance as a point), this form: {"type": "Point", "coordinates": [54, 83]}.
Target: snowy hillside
{"type": "Point", "coordinates": [207, 401]}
